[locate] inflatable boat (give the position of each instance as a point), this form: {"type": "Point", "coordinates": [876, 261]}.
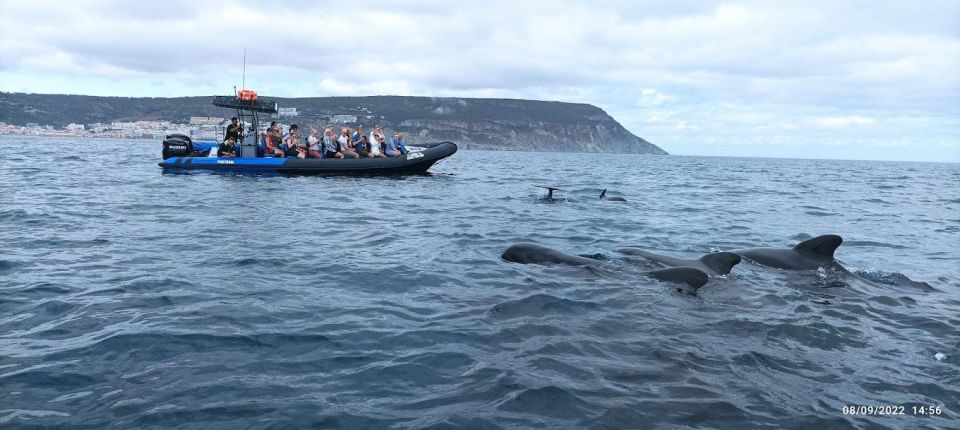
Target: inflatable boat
{"type": "Point", "coordinates": [180, 152]}
{"type": "Point", "coordinates": [410, 164]}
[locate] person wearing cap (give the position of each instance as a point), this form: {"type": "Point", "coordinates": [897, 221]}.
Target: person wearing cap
{"type": "Point", "coordinates": [233, 130]}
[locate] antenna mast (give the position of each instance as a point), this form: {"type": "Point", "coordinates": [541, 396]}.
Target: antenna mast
{"type": "Point", "coordinates": [243, 82]}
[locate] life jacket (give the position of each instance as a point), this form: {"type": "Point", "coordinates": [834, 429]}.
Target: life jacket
{"type": "Point", "coordinates": [226, 147]}
{"type": "Point", "coordinates": [268, 144]}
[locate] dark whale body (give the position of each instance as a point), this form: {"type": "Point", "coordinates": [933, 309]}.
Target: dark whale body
{"type": "Point", "coordinates": [810, 254]}
{"type": "Point", "coordinates": [716, 263]}
{"type": "Point", "coordinates": [603, 196]}
{"type": "Point", "coordinates": [531, 253]}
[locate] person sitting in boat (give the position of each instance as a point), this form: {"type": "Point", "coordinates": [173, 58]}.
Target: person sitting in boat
{"type": "Point", "coordinates": [295, 146]}
{"type": "Point", "coordinates": [400, 139]}
{"type": "Point", "coordinates": [228, 148]}
{"type": "Point", "coordinates": [314, 148]}
{"type": "Point", "coordinates": [362, 147]}
{"type": "Point", "coordinates": [346, 144]}
{"type": "Point", "coordinates": [233, 130]}
{"type": "Point", "coordinates": [395, 146]}
{"type": "Point", "coordinates": [330, 145]}
{"type": "Point", "coordinates": [274, 140]}
{"type": "Point", "coordinates": [358, 134]}
{"type": "Point", "coordinates": [377, 142]}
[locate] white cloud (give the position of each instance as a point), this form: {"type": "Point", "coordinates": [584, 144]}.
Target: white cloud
{"type": "Point", "coordinates": [731, 68]}
{"type": "Point", "coordinates": [842, 121]}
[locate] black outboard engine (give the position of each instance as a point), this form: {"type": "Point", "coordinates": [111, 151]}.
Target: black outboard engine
{"type": "Point", "coordinates": [177, 145]}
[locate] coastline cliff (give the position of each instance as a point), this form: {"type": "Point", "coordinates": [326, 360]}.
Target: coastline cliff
{"type": "Point", "coordinates": [491, 124]}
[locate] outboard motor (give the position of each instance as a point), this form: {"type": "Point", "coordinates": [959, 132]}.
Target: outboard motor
{"type": "Point", "coordinates": [180, 136]}
{"type": "Point", "coordinates": [177, 145]}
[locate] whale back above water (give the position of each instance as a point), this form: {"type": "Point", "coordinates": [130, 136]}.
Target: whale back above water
{"type": "Point", "coordinates": [532, 253]}
{"type": "Point", "coordinates": [810, 254]}
{"type": "Point", "coordinates": [687, 275]}
{"type": "Point", "coordinates": [603, 196]}
{"type": "Point", "coordinates": [716, 263]}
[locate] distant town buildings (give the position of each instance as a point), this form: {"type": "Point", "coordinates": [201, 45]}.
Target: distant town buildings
{"type": "Point", "coordinates": [343, 119]}
{"type": "Point", "coordinates": [199, 127]}
{"type": "Point", "coordinates": [206, 120]}
{"type": "Point", "coordinates": [134, 130]}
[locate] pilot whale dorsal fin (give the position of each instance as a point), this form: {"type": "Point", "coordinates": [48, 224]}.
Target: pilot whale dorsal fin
{"type": "Point", "coordinates": [821, 247]}
{"type": "Point", "coordinates": [720, 262]}
{"type": "Point", "coordinates": [603, 193]}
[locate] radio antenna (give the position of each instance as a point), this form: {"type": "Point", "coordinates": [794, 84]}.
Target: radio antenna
{"type": "Point", "coordinates": [243, 82]}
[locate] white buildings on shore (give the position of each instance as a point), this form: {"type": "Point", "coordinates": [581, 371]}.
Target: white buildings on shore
{"type": "Point", "coordinates": [208, 129]}
{"type": "Point", "coordinates": [199, 127]}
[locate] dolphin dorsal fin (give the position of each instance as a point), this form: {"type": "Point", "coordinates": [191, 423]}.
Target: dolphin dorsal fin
{"type": "Point", "coordinates": [603, 193]}
{"type": "Point", "coordinates": [720, 262]}
{"type": "Point", "coordinates": [820, 247]}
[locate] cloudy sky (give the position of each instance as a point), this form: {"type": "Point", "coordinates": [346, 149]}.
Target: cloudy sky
{"type": "Point", "coordinates": [810, 79]}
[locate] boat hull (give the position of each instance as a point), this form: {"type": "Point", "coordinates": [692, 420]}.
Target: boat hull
{"type": "Point", "coordinates": [410, 164]}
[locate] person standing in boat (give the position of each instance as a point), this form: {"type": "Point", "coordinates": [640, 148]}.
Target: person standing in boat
{"type": "Point", "coordinates": [346, 144]}
{"type": "Point", "coordinates": [234, 130]}
{"type": "Point", "coordinates": [330, 149]}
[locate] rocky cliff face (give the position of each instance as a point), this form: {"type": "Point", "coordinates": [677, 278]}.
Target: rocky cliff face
{"type": "Point", "coordinates": [494, 124]}
{"type": "Point", "coordinates": [518, 135]}
{"type": "Point", "coordinates": [499, 124]}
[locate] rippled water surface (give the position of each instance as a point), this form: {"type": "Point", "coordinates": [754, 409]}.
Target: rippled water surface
{"type": "Point", "coordinates": [130, 298]}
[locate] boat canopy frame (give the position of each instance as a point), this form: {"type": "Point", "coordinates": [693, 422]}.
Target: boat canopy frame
{"type": "Point", "coordinates": [247, 112]}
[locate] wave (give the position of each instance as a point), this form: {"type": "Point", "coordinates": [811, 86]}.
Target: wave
{"type": "Point", "coordinates": [894, 279]}
{"type": "Point", "coordinates": [540, 305]}
{"type": "Point", "coordinates": [872, 244]}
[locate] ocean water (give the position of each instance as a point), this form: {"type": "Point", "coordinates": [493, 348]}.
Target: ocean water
{"type": "Point", "coordinates": [130, 298]}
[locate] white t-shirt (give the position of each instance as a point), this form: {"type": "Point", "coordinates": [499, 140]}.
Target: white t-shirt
{"type": "Point", "coordinates": [374, 143]}
{"type": "Point", "coordinates": [314, 143]}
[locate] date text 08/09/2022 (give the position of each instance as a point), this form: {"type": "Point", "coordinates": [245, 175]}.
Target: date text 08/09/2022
{"type": "Point", "coordinates": [892, 410]}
